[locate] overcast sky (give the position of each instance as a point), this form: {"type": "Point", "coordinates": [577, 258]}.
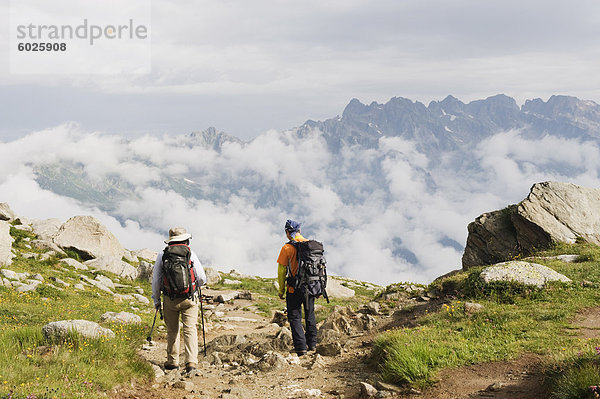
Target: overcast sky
{"type": "Point", "coordinates": [249, 66]}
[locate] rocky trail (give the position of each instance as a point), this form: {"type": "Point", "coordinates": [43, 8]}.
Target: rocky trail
{"type": "Point", "coordinates": [328, 374]}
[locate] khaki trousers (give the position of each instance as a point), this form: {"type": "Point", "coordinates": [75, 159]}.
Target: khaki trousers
{"type": "Point", "coordinates": [188, 309]}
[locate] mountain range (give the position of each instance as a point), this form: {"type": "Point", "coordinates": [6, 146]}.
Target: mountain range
{"type": "Point", "coordinates": [399, 180]}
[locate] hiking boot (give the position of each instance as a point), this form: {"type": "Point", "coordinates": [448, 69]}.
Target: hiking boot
{"type": "Point", "coordinates": [190, 371]}
{"type": "Point", "coordinates": [301, 353]}
{"type": "Point", "coordinates": [171, 367]}
{"type": "Point", "coordinates": [312, 348]}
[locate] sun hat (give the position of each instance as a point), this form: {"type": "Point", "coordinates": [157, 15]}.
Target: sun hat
{"type": "Point", "coordinates": [178, 234]}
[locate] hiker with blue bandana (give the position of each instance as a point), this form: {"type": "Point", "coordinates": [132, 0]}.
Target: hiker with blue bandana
{"type": "Point", "coordinates": [287, 270]}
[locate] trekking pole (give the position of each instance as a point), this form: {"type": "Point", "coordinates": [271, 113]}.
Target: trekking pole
{"type": "Point", "coordinates": [202, 314]}
{"type": "Point", "coordinates": [149, 338]}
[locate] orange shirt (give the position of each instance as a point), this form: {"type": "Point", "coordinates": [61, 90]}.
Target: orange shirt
{"type": "Point", "coordinates": [287, 256]}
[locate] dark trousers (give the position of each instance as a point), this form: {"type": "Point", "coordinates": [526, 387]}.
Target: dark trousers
{"type": "Point", "coordinates": [301, 339]}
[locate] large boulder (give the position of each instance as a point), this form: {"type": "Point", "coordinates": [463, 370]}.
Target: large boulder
{"type": "Point", "coordinates": [492, 238]}
{"type": "Point", "coordinates": [560, 212]}
{"type": "Point", "coordinates": [57, 330]}
{"type": "Point", "coordinates": [522, 272]}
{"type": "Point", "coordinates": [6, 241]}
{"type": "Point", "coordinates": [46, 229]}
{"type": "Point", "coordinates": [89, 238]}
{"type": "Point", "coordinates": [113, 264]}
{"type": "Point", "coordinates": [552, 212]}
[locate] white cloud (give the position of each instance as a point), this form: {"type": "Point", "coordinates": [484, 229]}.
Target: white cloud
{"type": "Point", "coordinates": [383, 214]}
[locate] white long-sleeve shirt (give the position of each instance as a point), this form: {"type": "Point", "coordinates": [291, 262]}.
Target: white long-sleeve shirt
{"type": "Point", "coordinates": [157, 275]}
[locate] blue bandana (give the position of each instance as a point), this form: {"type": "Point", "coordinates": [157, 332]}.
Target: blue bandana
{"type": "Point", "coordinates": [292, 227]}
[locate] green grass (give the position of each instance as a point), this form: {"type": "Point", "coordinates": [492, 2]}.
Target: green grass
{"type": "Point", "coordinates": [516, 319]}
{"type": "Point", "coordinates": [74, 367]}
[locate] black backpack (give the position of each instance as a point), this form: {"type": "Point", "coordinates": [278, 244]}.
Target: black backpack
{"type": "Point", "coordinates": [311, 277]}
{"type": "Point", "coordinates": [179, 279]}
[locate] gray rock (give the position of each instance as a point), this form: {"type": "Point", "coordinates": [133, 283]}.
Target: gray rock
{"type": "Point", "coordinates": [89, 238]}
{"type": "Point", "coordinates": [74, 263]}
{"type": "Point", "coordinates": [141, 299]}
{"type": "Point", "coordinates": [130, 257]}
{"type": "Point", "coordinates": [384, 386]}
{"type": "Point", "coordinates": [472, 308]}
{"type": "Point", "coordinates": [336, 290]}
{"type": "Point", "coordinates": [28, 287]}
{"type": "Point", "coordinates": [231, 282]}
{"type": "Point", "coordinates": [367, 390]}
{"type": "Point", "coordinates": [88, 329]}
{"type": "Point", "coordinates": [492, 238]}
{"type": "Point", "coordinates": [283, 340]}
{"type": "Point", "coordinates": [329, 349]}
{"type": "Point", "coordinates": [552, 212]}
{"type": "Point", "coordinates": [522, 272]}
{"type": "Point", "coordinates": [9, 274]}
{"type": "Point", "coordinates": [113, 264]}
{"type": "Point", "coordinates": [279, 318]}
{"type": "Point", "coordinates": [6, 241]}
{"type": "Point", "coordinates": [145, 253]}
{"type": "Point", "coordinates": [185, 385]}
{"type": "Point", "coordinates": [212, 276]}
{"type": "Point", "coordinates": [244, 295]}
{"type": "Point", "coordinates": [158, 372]}
{"type": "Point", "coordinates": [123, 298]}
{"type": "Point", "coordinates": [373, 308]}
{"type": "Point", "coordinates": [45, 229]}
{"type": "Point", "coordinates": [271, 361]}
{"type": "Point", "coordinates": [46, 245]}
{"type": "Point", "coordinates": [560, 212]}
{"type": "Point", "coordinates": [23, 227]}
{"type": "Point", "coordinates": [79, 286]}
{"type": "Point", "coordinates": [37, 277]}
{"type": "Point", "coordinates": [144, 270]}
{"type": "Point", "coordinates": [222, 298]}
{"type": "Point", "coordinates": [96, 284]}
{"type": "Point", "coordinates": [6, 213]}
{"type": "Point", "coordinates": [105, 281]}
{"type": "Point", "coordinates": [14, 276]}
{"type": "Point", "coordinates": [348, 323]}
{"type": "Point", "coordinates": [120, 317]}
{"type": "Point", "coordinates": [236, 274]}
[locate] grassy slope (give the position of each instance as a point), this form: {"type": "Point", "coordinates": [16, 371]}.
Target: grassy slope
{"type": "Point", "coordinates": [76, 367]}
{"type": "Point", "coordinates": [515, 320]}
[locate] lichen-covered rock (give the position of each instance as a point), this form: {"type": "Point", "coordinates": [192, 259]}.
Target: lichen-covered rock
{"type": "Point", "coordinates": [522, 272]}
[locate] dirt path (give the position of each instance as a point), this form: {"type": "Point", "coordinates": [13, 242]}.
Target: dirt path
{"type": "Point", "coordinates": [339, 376]}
